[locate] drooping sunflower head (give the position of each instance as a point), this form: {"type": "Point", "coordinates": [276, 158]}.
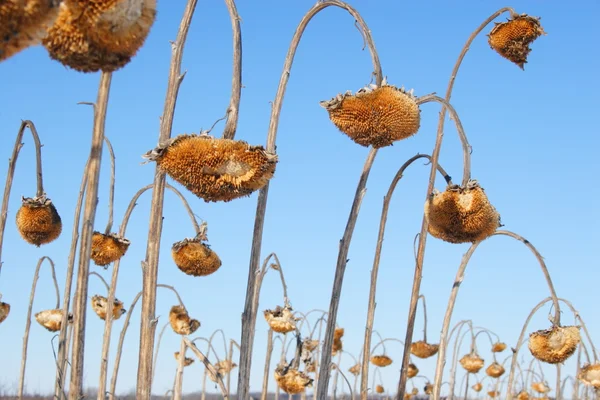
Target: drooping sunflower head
{"type": "Point", "coordinates": [38, 221]}
{"type": "Point", "coordinates": [554, 345]}
{"type": "Point", "coordinates": [195, 258]}
{"type": "Point", "coordinates": [109, 248]}
{"type": "Point", "coordinates": [511, 39]}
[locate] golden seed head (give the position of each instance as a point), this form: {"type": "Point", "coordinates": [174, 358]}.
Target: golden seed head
{"type": "Point", "coordinates": [412, 371]}
{"type": "Point", "coordinates": [181, 322]}
{"type": "Point", "coordinates": [187, 361]}
{"type": "Point", "coordinates": [477, 387]}
{"type": "Point", "coordinates": [511, 39]}
{"type": "Point", "coordinates": [495, 370]}
{"type": "Point", "coordinates": [523, 395]}
{"type": "Point", "coordinates": [493, 394]}
{"type": "Point", "coordinates": [498, 347]}
{"type": "Point", "coordinates": [423, 349]}
{"type": "Point", "coordinates": [461, 215]}
{"type": "Point", "coordinates": [195, 258]}
{"type": "Point", "coordinates": [100, 307]}
{"type": "Point", "coordinates": [590, 375]}
{"type": "Point", "coordinates": [215, 169]}
{"type": "Point", "coordinates": [51, 319]}
{"type": "Point", "coordinates": [428, 388]}
{"type": "Point", "coordinates": [472, 362]}
{"type": "Point", "coordinates": [381, 360]}
{"type": "Point", "coordinates": [4, 311]}
{"type": "Point", "coordinates": [38, 221]}
{"type": "Point", "coordinates": [108, 248]}
{"type": "Point", "coordinates": [540, 387]}
{"type": "Point", "coordinates": [379, 389]}
{"type": "Point", "coordinates": [292, 381]}
{"type": "Point", "coordinates": [375, 116]}
{"type": "Point", "coordinates": [281, 319]}
{"type": "Point", "coordinates": [554, 345]}
{"type": "Point", "coordinates": [355, 369]}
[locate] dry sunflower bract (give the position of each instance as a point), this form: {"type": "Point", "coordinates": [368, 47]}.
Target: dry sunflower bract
{"type": "Point", "coordinates": [181, 322]}
{"type": "Point", "coordinates": [108, 248]}
{"type": "Point", "coordinates": [4, 311]}
{"type": "Point", "coordinates": [291, 380]}
{"type": "Point", "coordinates": [375, 116]}
{"type": "Point", "coordinates": [554, 345]}
{"type": "Point", "coordinates": [187, 361]}
{"type": "Point", "coordinates": [495, 370]}
{"type": "Point", "coordinates": [38, 221]}
{"type": "Point", "coordinates": [195, 258]}
{"type": "Point", "coordinates": [100, 307]}
{"type": "Point", "coordinates": [461, 215]}
{"type": "Point", "coordinates": [472, 363]}
{"type": "Point", "coordinates": [381, 360]}
{"type": "Point", "coordinates": [423, 349]}
{"type": "Point", "coordinates": [590, 375]}
{"type": "Point", "coordinates": [51, 319]}
{"type": "Point", "coordinates": [215, 169]}
{"type": "Point", "coordinates": [511, 39]}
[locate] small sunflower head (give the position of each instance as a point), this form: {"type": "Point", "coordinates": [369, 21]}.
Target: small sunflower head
{"type": "Point", "coordinates": [215, 169]}
{"type": "Point", "coordinates": [540, 387]}
{"type": "Point", "coordinates": [281, 319]}
{"type": "Point", "coordinates": [109, 248]}
{"type": "Point", "coordinates": [554, 345]}
{"type": "Point", "coordinates": [523, 395]}
{"type": "Point", "coordinates": [51, 319]}
{"type": "Point", "coordinates": [379, 389]}
{"type": "Point", "coordinates": [493, 394]}
{"type": "Point", "coordinates": [412, 371]}
{"type": "Point", "coordinates": [511, 39]}
{"type": "Point", "coordinates": [187, 361]}
{"type": "Point", "coordinates": [375, 116]}
{"type": "Point", "coordinates": [223, 367]}
{"type": "Point", "coordinates": [423, 349]}
{"type": "Point", "coordinates": [414, 391]}
{"type": "Point", "coordinates": [477, 387]}
{"type": "Point", "coordinates": [428, 389]}
{"type": "Point", "coordinates": [472, 362]}
{"type": "Point", "coordinates": [292, 381]}
{"type": "Point", "coordinates": [590, 375]}
{"type": "Point", "coordinates": [100, 307]}
{"type": "Point", "coordinates": [181, 322]}
{"type": "Point", "coordinates": [355, 369]}
{"type": "Point", "coordinates": [338, 345]}
{"type": "Point", "coordinates": [4, 311]}
{"type": "Point", "coordinates": [381, 360]}
{"type": "Point", "coordinates": [498, 347]}
{"type": "Point", "coordinates": [495, 370]}
{"type": "Point", "coordinates": [38, 221]}
{"type": "Point", "coordinates": [195, 258]}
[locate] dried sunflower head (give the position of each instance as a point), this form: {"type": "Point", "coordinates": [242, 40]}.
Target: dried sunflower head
{"type": "Point", "coordinates": [310, 367]}
{"type": "Point", "coordinates": [215, 169]}
{"type": "Point", "coordinates": [415, 391]}
{"type": "Point", "coordinates": [590, 375]}
{"type": "Point", "coordinates": [540, 387]}
{"type": "Point", "coordinates": [108, 248]}
{"type": "Point", "coordinates": [498, 347]}
{"type": "Point", "coordinates": [4, 311]}
{"type": "Point", "coordinates": [281, 319]}
{"type": "Point", "coordinates": [511, 39]}
{"type": "Point", "coordinates": [222, 367]}
{"type": "Point", "coordinates": [51, 319]}
{"type": "Point", "coordinates": [181, 322]}
{"type": "Point", "coordinates": [379, 389]}
{"type": "Point", "coordinates": [100, 307]}
{"type": "Point", "coordinates": [194, 257]}
{"type": "Point", "coordinates": [493, 394]}
{"type": "Point", "coordinates": [472, 362]}
{"type": "Point", "coordinates": [477, 387]}
{"type": "Point", "coordinates": [338, 333]}
{"type": "Point", "coordinates": [523, 395]}
{"type": "Point", "coordinates": [38, 221]}
{"type": "Point", "coordinates": [412, 371]}
{"type": "Point", "coordinates": [187, 361]}
{"type": "Point", "coordinates": [495, 370]}
{"type": "Point", "coordinates": [461, 215]}
{"type": "Point", "coordinates": [292, 381]}
{"type": "Point", "coordinates": [375, 116]}
{"type": "Point", "coordinates": [23, 23]}
{"type": "Point", "coordinates": [428, 388]}
{"type": "Point", "coordinates": [407, 396]}
{"type": "Point", "coordinates": [310, 344]}
{"type": "Point", "coordinates": [355, 369]}
{"type": "Point", "coordinates": [381, 360]}
{"type": "Point", "coordinates": [423, 349]}
{"type": "Point", "coordinates": [554, 345]}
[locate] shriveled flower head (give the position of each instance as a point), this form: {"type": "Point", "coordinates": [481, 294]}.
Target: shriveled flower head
{"type": "Point", "coordinates": [498, 347]}
{"type": "Point", "coordinates": [590, 375]}
{"type": "Point", "coordinates": [381, 360]}
{"type": "Point", "coordinates": [375, 116]}
{"type": "Point", "coordinates": [415, 391]}
{"type": "Point", "coordinates": [472, 362]}
{"type": "Point", "coordinates": [461, 215]}
{"type": "Point", "coordinates": [355, 369]}
{"type": "Point", "coordinates": [310, 367]}
{"type": "Point", "coordinates": [4, 311]}
{"type": "Point", "coordinates": [337, 345]}
{"type": "Point", "coordinates": [100, 307]}
{"type": "Point", "coordinates": [511, 39]}
{"type": "Point", "coordinates": [407, 396]}
{"type": "Point", "coordinates": [292, 381]}
{"type": "Point", "coordinates": [88, 37]}
{"type": "Point", "coordinates": [181, 322]}
{"type": "Point", "coordinates": [215, 169]}
{"type": "Point", "coordinates": [187, 361]}
{"type": "Point", "coordinates": [38, 221]}
{"type": "Point", "coordinates": [412, 371]}
{"type": "Point", "coordinates": [540, 387]}
{"type": "Point", "coordinates": [428, 388]}
{"type": "Point", "coordinates": [379, 389]}
{"type": "Point", "coordinates": [223, 367]}
{"type": "Point", "coordinates": [495, 370]}
{"type": "Point", "coordinates": [310, 345]}
{"type": "Point", "coordinates": [52, 319]}
{"type": "Point", "coordinates": [554, 345]}
{"type": "Point", "coordinates": [194, 257]}
{"type": "Point", "coordinates": [523, 395]}
{"type": "Point", "coordinates": [281, 319]}
{"type": "Point", "coordinates": [108, 248]}
{"type": "Point", "coordinates": [23, 23]}
{"type": "Point", "coordinates": [423, 349]}
{"type": "Point", "coordinates": [493, 394]}
{"type": "Point", "coordinates": [477, 387]}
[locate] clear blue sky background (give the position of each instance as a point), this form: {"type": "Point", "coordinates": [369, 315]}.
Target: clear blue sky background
{"type": "Point", "coordinates": [534, 139]}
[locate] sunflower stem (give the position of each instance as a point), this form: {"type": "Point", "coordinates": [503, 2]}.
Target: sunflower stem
{"type": "Point", "coordinates": [157, 348]}
{"type": "Point", "coordinates": [208, 366]}
{"type": "Point", "coordinates": [267, 369]}
{"type": "Point", "coordinates": [111, 191]}
{"type": "Point", "coordinates": [236, 80]}
{"type": "Point", "coordinates": [457, 328]}
{"type": "Point", "coordinates": [178, 387]}
{"type": "Point", "coordinates": [101, 280]}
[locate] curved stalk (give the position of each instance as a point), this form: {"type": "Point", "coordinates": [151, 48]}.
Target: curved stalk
{"type": "Point", "coordinates": [230, 359]}
{"type": "Point", "coordinates": [267, 369]}
{"type": "Point", "coordinates": [336, 375]}
{"type": "Point", "coordinates": [249, 314]}
{"type": "Point", "coordinates": [158, 341]}
{"type": "Point", "coordinates": [111, 190]}
{"type": "Point", "coordinates": [338, 369]}
{"type": "Point", "coordinates": [375, 271]}
{"type": "Point", "coordinates": [150, 266]}
{"type": "Point", "coordinates": [457, 343]}
{"type": "Point", "coordinates": [418, 274]}
{"type": "Point", "coordinates": [12, 164]}
{"type": "Point", "coordinates": [317, 360]}
{"type": "Point", "coordinates": [236, 80]}
{"type": "Point", "coordinates": [208, 366]}
{"type": "Point", "coordinates": [101, 278]}
{"type": "Point", "coordinates": [210, 346]}
{"type": "Point", "coordinates": [28, 321]}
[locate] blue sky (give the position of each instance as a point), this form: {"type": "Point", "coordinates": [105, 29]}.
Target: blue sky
{"type": "Point", "coordinates": [533, 133]}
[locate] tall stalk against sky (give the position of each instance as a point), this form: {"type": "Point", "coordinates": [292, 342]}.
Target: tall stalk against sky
{"type": "Point", "coordinates": [250, 311]}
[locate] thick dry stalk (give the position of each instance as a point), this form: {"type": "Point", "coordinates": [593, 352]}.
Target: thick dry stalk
{"type": "Point", "coordinates": [208, 366]}
{"type": "Point", "coordinates": [111, 189]}
{"type": "Point", "coordinates": [178, 387]}
{"type": "Point", "coordinates": [375, 271]}
{"type": "Point", "coordinates": [150, 270]}
{"type": "Point", "coordinates": [236, 80]}
{"type": "Point", "coordinates": [418, 274]}
{"type": "Point", "coordinates": [12, 164]}
{"type": "Point", "coordinates": [85, 248]}
{"type": "Point", "coordinates": [454, 293]}
{"type": "Point", "coordinates": [249, 314]}
{"type": "Point", "coordinates": [28, 321]}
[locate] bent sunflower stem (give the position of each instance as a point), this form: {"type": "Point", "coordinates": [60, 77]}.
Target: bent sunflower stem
{"type": "Point", "coordinates": [236, 80]}
{"type": "Point", "coordinates": [111, 191]}
{"type": "Point", "coordinates": [458, 329]}
{"type": "Point", "coordinates": [208, 366]}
